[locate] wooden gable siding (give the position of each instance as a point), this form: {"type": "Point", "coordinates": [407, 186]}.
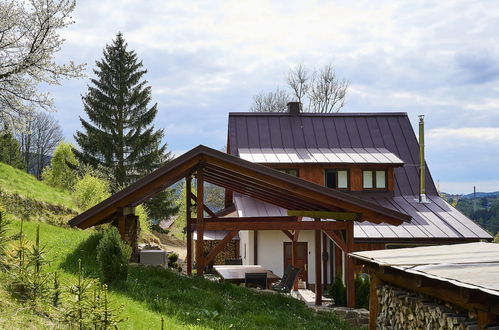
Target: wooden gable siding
{"type": "Point", "coordinates": [316, 173]}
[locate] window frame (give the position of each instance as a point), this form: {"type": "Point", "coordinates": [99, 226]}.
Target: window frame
{"type": "Point", "coordinates": [335, 170]}
{"type": "Point", "coordinates": [373, 176]}
{"type": "Point", "coordinates": [287, 169]}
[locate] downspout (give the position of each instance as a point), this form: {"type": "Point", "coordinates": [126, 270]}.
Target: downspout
{"type": "Point", "coordinates": [422, 167]}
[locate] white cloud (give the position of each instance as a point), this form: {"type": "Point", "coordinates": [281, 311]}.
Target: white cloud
{"type": "Point", "coordinates": [482, 134]}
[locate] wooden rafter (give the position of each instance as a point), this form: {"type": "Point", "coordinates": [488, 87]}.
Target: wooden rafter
{"type": "Point", "coordinates": [335, 236]}
{"type": "Point", "coordinates": [350, 216]}
{"type": "Point", "coordinates": [242, 224]}
{"type": "Point", "coordinates": [206, 208]}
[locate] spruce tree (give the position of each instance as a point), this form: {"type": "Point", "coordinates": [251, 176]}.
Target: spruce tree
{"type": "Point", "coordinates": [10, 152]}
{"type": "Point", "coordinates": [120, 138]}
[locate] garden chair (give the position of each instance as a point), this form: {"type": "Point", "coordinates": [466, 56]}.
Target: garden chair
{"type": "Point", "coordinates": [256, 280]}
{"type": "Point", "coordinates": [285, 276]}
{"type": "Point", "coordinates": [286, 286]}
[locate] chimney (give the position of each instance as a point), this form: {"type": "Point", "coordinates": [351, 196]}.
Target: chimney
{"type": "Point", "coordinates": [422, 167]}
{"type": "Point", "coordinates": [294, 108]}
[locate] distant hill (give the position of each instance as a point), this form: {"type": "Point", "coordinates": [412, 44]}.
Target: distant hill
{"type": "Point", "coordinates": [494, 194]}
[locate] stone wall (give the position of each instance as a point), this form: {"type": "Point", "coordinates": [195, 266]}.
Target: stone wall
{"type": "Point", "coordinates": [402, 309]}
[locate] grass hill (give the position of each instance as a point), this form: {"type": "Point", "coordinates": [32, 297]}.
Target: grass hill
{"type": "Point", "coordinates": [149, 293]}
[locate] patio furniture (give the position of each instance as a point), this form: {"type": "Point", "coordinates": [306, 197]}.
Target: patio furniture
{"type": "Point", "coordinates": [236, 261]}
{"type": "Point", "coordinates": [287, 271]}
{"type": "Point", "coordinates": [237, 273]}
{"type": "Point", "coordinates": [255, 280]}
{"type": "Point", "coordinates": [287, 285]}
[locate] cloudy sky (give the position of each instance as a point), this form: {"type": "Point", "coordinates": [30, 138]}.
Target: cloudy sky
{"type": "Point", "coordinates": [207, 58]}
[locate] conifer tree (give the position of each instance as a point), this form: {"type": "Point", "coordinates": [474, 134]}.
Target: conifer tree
{"type": "Point", "coordinates": [120, 136]}
{"type": "Point", "coordinates": [10, 152]}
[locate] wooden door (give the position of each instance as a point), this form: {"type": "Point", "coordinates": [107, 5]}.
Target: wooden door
{"type": "Point", "coordinates": [302, 260]}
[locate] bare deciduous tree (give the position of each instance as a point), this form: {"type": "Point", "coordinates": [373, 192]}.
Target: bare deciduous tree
{"type": "Point", "coordinates": [29, 40]}
{"type": "Point", "coordinates": [327, 93]}
{"type": "Point", "coordinates": [38, 140]}
{"type": "Point", "coordinates": [322, 91]}
{"type": "Point", "coordinates": [270, 102]}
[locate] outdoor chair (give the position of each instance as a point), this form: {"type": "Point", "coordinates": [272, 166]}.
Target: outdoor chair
{"type": "Point", "coordinates": [255, 280]}
{"type": "Point", "coordinates": [287, 285]}
{"type": "Point", "coordinates": [285, 276]}
{"type": "Point", "coordinates": [237, 261]}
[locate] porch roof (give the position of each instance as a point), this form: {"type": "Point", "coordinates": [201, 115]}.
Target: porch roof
{"type": "Point", "coordinates": [241, 176]}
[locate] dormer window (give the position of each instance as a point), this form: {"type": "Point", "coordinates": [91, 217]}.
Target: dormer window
{"type": "Point", "coordinates": [336, 179]}
{"type": "Point", "coordinates": [374, 179]}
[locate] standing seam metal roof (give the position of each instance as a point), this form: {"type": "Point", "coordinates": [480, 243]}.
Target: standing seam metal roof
{"type": "Point", "coordinates": [389, 131]}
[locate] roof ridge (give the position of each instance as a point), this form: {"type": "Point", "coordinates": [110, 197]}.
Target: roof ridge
{"type": "Point", "coordinates": [311, 114]}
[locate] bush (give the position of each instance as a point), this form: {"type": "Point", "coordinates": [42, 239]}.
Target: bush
{"type": "Point", "coordinates": [90, 190]}
{"type": "Point", "coordinates": [62, 170]}
{"type": "Point", "coordinates": [172, 260]}
{"type": "Point", "coordinates": [362, 285]}
{"type": "Point", "coordinates": [113, 256]}
{"type": "Point", "coordinates": [338, 291]}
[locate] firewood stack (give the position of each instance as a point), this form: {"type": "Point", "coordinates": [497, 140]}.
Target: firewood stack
{"type": "Point", "coordinates": [401, 309]}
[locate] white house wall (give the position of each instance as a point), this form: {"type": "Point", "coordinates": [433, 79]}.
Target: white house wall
{"type": "Point", "coordinates": [271, 251]}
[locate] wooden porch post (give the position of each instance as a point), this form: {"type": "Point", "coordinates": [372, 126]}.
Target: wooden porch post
{"type": "Point", "coordinates": [373, 301]}
{"type": "Point", "coordinates": [294, 256]}
{"type": "Point", "coordinates": [255, 247]}
{"type": "Point", "coordinates": [318, 263]}
{"type": "Point", "coordinates": [350, 267]}
{"type": "Point", "coordinates": [188, 205]}
{"type": "Point", "coordinates": [200, 223]}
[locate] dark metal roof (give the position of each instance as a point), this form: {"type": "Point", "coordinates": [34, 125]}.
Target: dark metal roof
{"type": "Point", "coordinates": [255, 180]}
{"type": "Point", "coordinates": [392, 131]}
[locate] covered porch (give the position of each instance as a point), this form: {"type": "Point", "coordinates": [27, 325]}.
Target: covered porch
{"type": "Point", "coordinates": [309, 207]}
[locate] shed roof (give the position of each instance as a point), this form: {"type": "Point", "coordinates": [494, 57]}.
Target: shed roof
{"type": "Point", "coordinates": [258, 181]}
{"type": "Point", "coordinates": [469, 265]}
{"type": "Point", "coordinates": [320, 155]}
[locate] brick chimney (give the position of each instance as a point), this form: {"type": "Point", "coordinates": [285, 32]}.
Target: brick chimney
{"type": "Point", "coordinates": [294, 108]}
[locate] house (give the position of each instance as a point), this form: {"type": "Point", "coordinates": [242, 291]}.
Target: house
{"type": "Point", "coordinates": [434, 287]}
{"type": "Point", "coordinates": [372, 156]}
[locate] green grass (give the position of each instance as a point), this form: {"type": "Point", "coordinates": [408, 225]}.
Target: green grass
{"type": "Point", "coordinates": [16, 181]}
{"type": "Point", "coordinates": [151, 293]}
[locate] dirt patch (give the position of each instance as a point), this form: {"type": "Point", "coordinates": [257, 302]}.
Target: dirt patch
{"type": "Point", "coordinates": [167, 242]}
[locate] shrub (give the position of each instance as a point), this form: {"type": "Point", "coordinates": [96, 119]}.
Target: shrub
{"type": "Point", "coordinates": [90, 190]}
{"type": "Point", "coordinates": [172, 260]}
{"type": "Point", "coordinates": [338, 291]}
{"type": "Point", "coordinates": [362, 284]}
{"type": "Point", "coordinates": [113, 256]}
{"type": "Point", "coordinates": [62, 170]}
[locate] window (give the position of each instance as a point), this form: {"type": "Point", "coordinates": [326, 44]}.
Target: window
{"type": "Point", "coordinates": [337, 179]}
{"type": "Point", "coordinates": [374, 179]}
{"type": "Point", "coordinates": [290, 171]}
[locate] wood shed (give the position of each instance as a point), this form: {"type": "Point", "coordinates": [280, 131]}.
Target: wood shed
{"type": "Point", "coordinates": [434, 287]}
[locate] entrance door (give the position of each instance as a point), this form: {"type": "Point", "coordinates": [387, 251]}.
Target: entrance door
{"type": "Point", "coordinates": [302, 260]}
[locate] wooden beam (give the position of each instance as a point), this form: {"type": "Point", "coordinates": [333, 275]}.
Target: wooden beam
{"type": "Point", "coordinates": [337, 239]}
{"type": "Point", "coordinates": [287, 233]}
{"type": "Point", "coordinates": [324, 257]}
{"type": "Point", "coordinates": [206, 208]}
{"type": "Point", "coordinates": [188, 229]}
{"type": "Point", "coordinates": [350, 271]}
{"type": "Point", "coordinates": [373, 301]}
{"type": "Point", "coordinates": [318, 271]}
{"type": "Point", "coordinates": [121, 225]}
{"type": "Point", "coordinates": [255, 247]}
{"type": "Point", "coordinates": [276, 225]}
{"type": "Point", "coordinates": [220, 246]}
{"type": "Point", "coordinates": [325, 215]}
{"type": "Point", "coordinates": [294, 260]}
{"type": "Point", "coordinates": [200, 226]}
{"type": "Point", "coordinates": [249, 219]}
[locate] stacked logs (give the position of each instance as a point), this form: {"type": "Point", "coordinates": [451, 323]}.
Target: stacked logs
{"type": "Point", "coordinates": [401, 309]}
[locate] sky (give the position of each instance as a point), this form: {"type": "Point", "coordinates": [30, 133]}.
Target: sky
{"type": "Point", "coordinates": [208, 58]}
